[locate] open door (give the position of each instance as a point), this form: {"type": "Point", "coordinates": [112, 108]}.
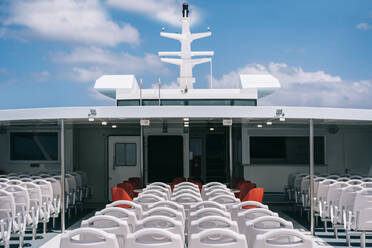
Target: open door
{"type": "Point", "coordinates": [124, 159]}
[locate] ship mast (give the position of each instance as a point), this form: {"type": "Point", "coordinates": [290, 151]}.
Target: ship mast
{"type": "Point", "coordinates": [186, 61]}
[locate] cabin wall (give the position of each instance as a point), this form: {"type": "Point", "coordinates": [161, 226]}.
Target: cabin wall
{"type": "Point", "coordinates": [91, 156]}
{"type": "Point", "coordinates": [8, 166]}
{"type": "Point", "coordinates": [350, 148]}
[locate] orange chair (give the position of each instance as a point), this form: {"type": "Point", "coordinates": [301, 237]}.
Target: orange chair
{"type": "Point", "coordinates": [245, 188]}
{"type": "Point", "coordinates": [255, 194]}
{"type": "Point", "coordinates": [120, 194]}
{"type": "Point", "coordinates": [128, 187]}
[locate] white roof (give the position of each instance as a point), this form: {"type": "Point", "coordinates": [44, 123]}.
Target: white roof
{"type": "Point", "coordinates": [109, 84]}
{"type": "Point", "coordinates": [205, 112]}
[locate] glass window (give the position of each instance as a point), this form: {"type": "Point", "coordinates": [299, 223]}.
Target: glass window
{"type": "Point", "coordinates": [34, 146]}
{"type": "Point", "coordinates": [209, 102]}
{"type": "Point", "coordinates": [172, 102]}
{"type": "Point", "coordinates": [150, 102]}
{"type": "Point", "coordinates": [286, 150]}
{"type": "Point", "coordinates": [244, 102]}
{"type": "Point", "coordinates": [125, 154]}
{"type": "Point", "coordinates": [128, 103]}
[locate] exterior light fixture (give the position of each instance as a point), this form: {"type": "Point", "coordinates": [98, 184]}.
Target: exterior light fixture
{"type": "Point", "coordinates": [92, 113]}
{"type": "Point", "coordinates": [186, 119]}
{"type": "Point", "coordinates": [91, 119]}
{"type": "Point", "coordinates": [104, 123]}
{"type": "Point", "coordinates": [186, 123]}
{"type": "Point", "coordinates": [259, 126]}
{"type": "Point", "coordinates": [114, 126]}
{"type": "Point", "coordinates": [282, 118]}
{"type": "Point", "coordinates": [269, 123]}
{"type": "Point", "coordinates": [211, 129]}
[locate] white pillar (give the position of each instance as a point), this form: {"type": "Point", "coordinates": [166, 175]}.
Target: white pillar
{"type": "Point", "coordinates": [311, 138]}
{"type": "Point", "coordinates": [63, 227]}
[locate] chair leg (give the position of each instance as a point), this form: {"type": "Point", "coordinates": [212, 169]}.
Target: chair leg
{"type": "Point", "coordinates": [348, 240]}
{"type": "Point", "coordinates": [21, 238]}
{"type": "Point", "coordinates": [335, 230]}
{"type": "Point", "coordinates": [363, 240]}
{"type": "Point", "coordinates": [54, 222]}
{"type": "Point", "coordinates": [44, 227]}
{"type": "Point", "coordinates": [34, 232]}
{"type": "Point", "coordinates": [325, 226]}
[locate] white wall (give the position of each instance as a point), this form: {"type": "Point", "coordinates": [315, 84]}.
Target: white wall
{"type": "Point", "coordinates": [349, 148]}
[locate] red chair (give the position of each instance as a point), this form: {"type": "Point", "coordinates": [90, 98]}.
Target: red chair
{"type": "Point", "coordinates": [118, 194]}
{"type": "Point", "coordinates": [236, 182]}
{"type": "Point", "coordinates": [128, 187]}
{"type": "Point", "coordinates": [254, 195]}
{"type": "Point", "coordinates": [245, 188]}
{"type": "Point", "coordinates": [200, 185]}
{"type": "Point", "coordinates": [136, 182]}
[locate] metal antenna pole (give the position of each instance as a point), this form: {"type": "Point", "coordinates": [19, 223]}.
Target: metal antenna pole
{"type": "Point", "coordinates": [141, 86]}
{"type": "Point", "coordinates": [63, 226]}
{"type": "Point", "coordinates": [159, 92]}
{"type": "Point", "coordinates": [211, 71]}
{"type": "Point", "coordinates": [311, 138]}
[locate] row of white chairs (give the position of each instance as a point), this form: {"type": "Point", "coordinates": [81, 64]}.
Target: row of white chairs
{"type": "Point", "coordinates": [27, 200]}
{"type": "Point", "coordinates": [346, 202]}
{"type": "Point", "coordinates": [161, 220]}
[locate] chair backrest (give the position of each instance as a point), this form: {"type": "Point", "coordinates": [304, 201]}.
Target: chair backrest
{"type": "Point", "coordinates": [96, 238]}
{"type": "Point", "coordinates": [21, 198]}
{"type": "Point", "coordinates": [56, 186]}
{"type": "Point", "coordinates": [162, 222]}
{"type": "Point", "coordinates": [191, 188]}
{"type": "Point", "coordinates": [216, 192]}
{"type": "Point", "coordinates": [25, 179]}
{"type": "Point", "coordinates": [355, 182]}
{"type": "Point", "coordinates": [46, 190]}
{"type": "Point", "coordinates": [298, 180]}
{"type": "Point", "coordinates": [333, 176]}
{"type": "Point", "coordinates": [3, 185]}
{"type": "Point", "coordinates": [317, 181]}
{"type": "Point", "coordinates": [186, 200]}
{"type": "Point", "coordinates": [161, 184]}
{"type": "Point", "coordinates": [207, 185]}
{"type": "Point", "coordinates": [213, 187]}
{"type": "Point", "coordinates": [78, 179]}
{"type": "Point", "coordinates": [156, 192]}
{"type": "Point", "coordinates": [227, 200]}
{"type": "Point", "coordinates": [262, 225]}
{"type": "Point", "coordinates": [109, 224]}
{"type": "Point", "coordinates": [34, 193]}
{"type": "Point", "coordinates": [7, 205]}
{"type": "Point", "coordinates": [128, 205]}
{"type": "Point", "coordinates": [121, 213]}
{"type": "Point", "coordinates": [367, 179]}
{"type": "Point", "coordinates": [211, 221]}
{"type": "Point", "coordinates": [208, 212]}
{"type": "Point", "coordinates": [283, 238]}
{"type": "Point", "coordinates": [158, 188]}
{"type": "Point", "coordinates": [343, 179]}
{"type": "Point", "coordinates": [255, 194]}
{"type": "Point", "coordinates": [366, 185]}
{"type": "Point", "coordinates": [165, 211]}
{"type": "Point", "coordinates": [128, 187]}
{"type": "Point", "coordinates": [362, 210]}
{"type": "Point", "coordinates": [356, 177]}
{"type": "Point", "coordinates": [186, 184]}
{"type": "Point", "coordinates": [154, 237]}
{"type": "Point", "coordinates": [168, 204]}
{"type": "Point", "coordinates": [118, 194]}
{"type": "Point", "coordinates": [347, 197]}
{"type": "Point", "coordinates": [252, 214]}
{"type": "Point", "coordinates": [243, 206]}
{"type": "Point", "coordinates": [186, 191]}
{"type": "Point", "coordinates": [217, 237]}
{"type": "Point", "coordinates": [4, 180]}
{"type": "Point", "coordinates": [147, 199]}
{"type": "Point", "coordinates": [14, 182]}
{"type": "Point", "coordinates": [322, 193]}
{"type": "Point", "coordinates": [207, 204]}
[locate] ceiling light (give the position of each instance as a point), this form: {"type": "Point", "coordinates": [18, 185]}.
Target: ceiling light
{"type": "Point", "coordinates": [259, 125]}
{"type": "Point", "coordinates": [282, 118]}
{"type": "Point", "coordinates": [186, 119]}
{"type": "Point", "coordinates": [269, 123]}
{"type": "Point", "coordinates": [114, 126]}
{"type": "Point", "coordinates": [211, 129]}
{"type": "Point", "coordinates": [186, 123]}
{"type": "Point", "coordinates": [91, 119]}
{"type": "Point", "coordinates": [104, 123]}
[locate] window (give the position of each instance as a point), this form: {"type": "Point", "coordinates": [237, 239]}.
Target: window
{"type": "Point", "coordinates": [286, 150]}
{"type": "Point", "coordinates": [191, 102]}
{"type": "Point", "coordinates": [30, 146]}
{"type": "Point", "coordinates": [125, 154]}
{"type": "Point", "coordinates": [244, 102]}
{"type": "Point", "coordinates": [128, 103]}
{"type": "Point", "coordinates": [209, 102]}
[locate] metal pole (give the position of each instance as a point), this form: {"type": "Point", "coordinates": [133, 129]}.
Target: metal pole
{"type": "Point", "coordinates": [230, 155]}
{"type": "Point", "coordinates": [211, 71]}
{"type": "Point", "coordinates": [141, 85]}
{"type": "Point", "coordinates": [311, 138]}
{"type": "Point", "coordinates": [63, 227]}
{"type": "Point", "coordinates": [141, 158]}
{"type": "Point", "coordinates": [159, 92]}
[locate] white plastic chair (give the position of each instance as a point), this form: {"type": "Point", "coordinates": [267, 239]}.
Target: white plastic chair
{"type": "Point", "coordinates": [154, 238]}
{"type": "Point", "coordinates": [3, 185]}
{"type": "Point", "coordinates": [4, 180]}
{"type": "Point", "coordinates": [355, 182]}
{"type": "Point", "coordinates": [34, 193]}
{"type": "Point", "coordinates": [343, 179]}
{"type": "Point", "coordinates": [161, 184]}
{"type": "Point", "coordinates": [238, 208]}
{"type": "Point", "coordinates": [130, 206]}
{"type": "Point", "coordinates": [207, 204]}
{"type": "Point", "coordinates": [217, 237]}
{"type": "Point", "coordinates": [96, 238]}
{"type": "Point", "coordinates": [109, 224]}
{"type": "Point", "coordinates": [147, 199]}
{"type": "Point", "coordinates": [207, 212]}
{"type": "Point", "coordinates": [251, 214]}
{"type": "Point", "coordinates": [227, 200]}
{"type": "Point", "coordinates": [22, 207]}
{"type": "Point", "coordinates": [165, 211]}
{"type": "Point", "coordinates": [169, 204]}
{"type": "Point", "coordinates": [161, 222]}
{"type": "Point", "coordinates": [216, 192]}
{"type": "Point", "coordinates": [68, 195]}
{"type": "Point", "coordinates": [47, 199]}
{"type": "Point", "coordinates": [359, 177]}
{"type": "Point", "coordinates": [367, 179]}
{"type": "Point", "coordinates": [283, 238]}
{"type": "Point", "coordinates": [362, 212]}
{"type": "Point", "coordinates": [191, 188]}
{"type": "Point", "coordinates": [14, 182]}
{"type": "Point", "coordinates": [121, 213]}
{"type": "Point", "coordinates": [211, 221]}
{"type": "Point", "coordinates": [7, 215]}
{"type": "Point", "coordinates": [213, 187]}
{"type": "Point", "coordinates": [333, 176]}
{"type": "Point", "coordinates": [262, 225]}
{"type": "Point", "coordinates": [56, 202]}
{"type": "Point", "coordinates": [366, 185]}
{"type": "Point", "coordinates": [185, 184]}
{"type": "Point", "coordinates": [159, 193]}
{"type": "Point", "coordinates": [159, 188]}
{"type": "Point", "coordinates": [186, 200]}
{"type": "Point", "coordinates": [186, 191]}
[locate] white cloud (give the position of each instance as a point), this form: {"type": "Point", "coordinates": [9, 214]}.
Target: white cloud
{"type": "Point", "coordinates": [172, 85]}
{"type": "Point", "coordinates": [165, 11]}
{"type": "Point", "coordinates": [302, 88]}
{"type": "Point", "coordinates": [41, 76]}
{"type": "Point", "coordinates": [364, 26]}
{"type": "Point", "coordinates": [88, 63]}
{"type": "Point", "coordinates": [78, 21]}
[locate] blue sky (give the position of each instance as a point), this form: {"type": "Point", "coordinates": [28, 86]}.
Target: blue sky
{"type": "Point", "coordinates": [51, 51]}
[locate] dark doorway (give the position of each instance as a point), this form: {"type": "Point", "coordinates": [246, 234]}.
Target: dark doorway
{"type": "Point", "coordinates": [165, 158]}
{"type": "Point", "coordinates": [216, 158]}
